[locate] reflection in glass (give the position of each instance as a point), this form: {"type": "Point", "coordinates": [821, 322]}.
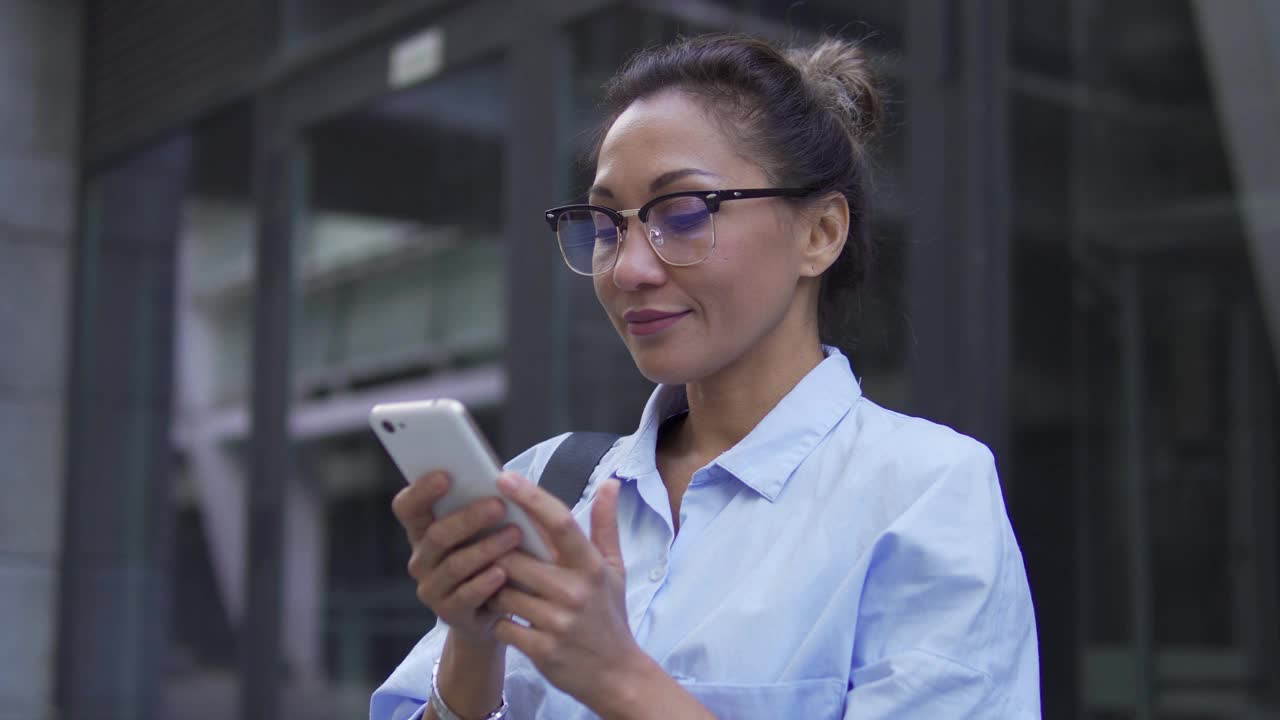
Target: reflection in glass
{"type": "Point", "coordinates": [1143, 374]}
{"type": "Point", "coordinates": [213, 331]}
{"type": "Point", "coordinates": [399, 267]}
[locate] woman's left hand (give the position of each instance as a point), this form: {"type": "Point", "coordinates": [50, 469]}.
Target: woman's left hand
{"type": "Point", "coordinates": [578, 634]}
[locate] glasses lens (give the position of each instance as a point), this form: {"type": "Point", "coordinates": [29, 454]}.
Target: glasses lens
{"type": "Point", "coordinates": [589, 240]}
{"type": "Point", "coordinates": [682, 230]}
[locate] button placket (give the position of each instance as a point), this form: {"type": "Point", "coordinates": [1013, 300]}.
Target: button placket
{"type": "Point", "coordinates": [659, 571]}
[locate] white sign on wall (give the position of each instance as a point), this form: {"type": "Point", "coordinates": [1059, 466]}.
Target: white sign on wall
{"type": "Point", "coordinates": [416, 58]}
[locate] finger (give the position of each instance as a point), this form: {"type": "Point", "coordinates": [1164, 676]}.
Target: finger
{"type": "Point", "coordinates": [542, 579]}
{"type": "Point", "coordinates": [468, 597]}
{"type": "Point", "coordinates": [533, 643]}
{"type": "Point", "coordinates": [456, 567]}
{"type": "Point", "coordinates": [540, 613]}
{"type": "Point", "coordinates": [412, 505]}
{"type": "Point", "coordinates": [574, 549]}
{"type": "Point", "coordinates": [477, 591]}
{"type": "Point", "coordinates": [460, 525]}
{"type": "Point", "coordinates": [604, 523]}
{"type": "Point", "coordinates": [451, 532]}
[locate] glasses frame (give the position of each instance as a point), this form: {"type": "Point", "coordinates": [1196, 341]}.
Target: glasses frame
{"type": "Point", "coordinates": [712, 198]}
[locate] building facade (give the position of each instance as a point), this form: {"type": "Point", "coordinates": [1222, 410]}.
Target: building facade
{"type": "Point", "coordinates": [283, 213]}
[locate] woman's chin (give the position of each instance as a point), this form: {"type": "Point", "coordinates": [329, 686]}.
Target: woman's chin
{"type": "Point", "coordinates": [664, 366]}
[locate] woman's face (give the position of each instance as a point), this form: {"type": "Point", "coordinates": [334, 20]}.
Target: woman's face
{"type": "Point", "coordinates": [714, 312]}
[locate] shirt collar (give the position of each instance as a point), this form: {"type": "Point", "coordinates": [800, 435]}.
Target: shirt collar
{"type": "Point", "coordinates": [767, 457]}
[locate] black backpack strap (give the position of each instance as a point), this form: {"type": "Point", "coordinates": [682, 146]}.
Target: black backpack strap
{"type": "Point", "coordinates": [570, 467]}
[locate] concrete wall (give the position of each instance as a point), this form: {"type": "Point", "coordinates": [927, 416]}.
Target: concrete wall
{"type": "Point", "coordinates": [39, 117]}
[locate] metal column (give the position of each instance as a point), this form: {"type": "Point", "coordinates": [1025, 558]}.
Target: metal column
{"type": "Point", "coordinates": [275, 184]}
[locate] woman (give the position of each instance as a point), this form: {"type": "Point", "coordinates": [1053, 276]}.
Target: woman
{"type": "Point", "coordinates": [769, 543]}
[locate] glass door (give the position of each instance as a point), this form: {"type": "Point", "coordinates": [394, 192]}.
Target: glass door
{"type": "Point", "coordinates": [1173, 386]}
{"type": "Point", "coordinates": [1176, 489]}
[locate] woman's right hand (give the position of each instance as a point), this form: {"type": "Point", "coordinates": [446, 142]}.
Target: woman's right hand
{"type": "Point", "coordinates": [454, 571]}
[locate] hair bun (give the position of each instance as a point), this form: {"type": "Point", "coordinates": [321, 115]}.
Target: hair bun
{"type": "Point", "coordinates": [839, 74]}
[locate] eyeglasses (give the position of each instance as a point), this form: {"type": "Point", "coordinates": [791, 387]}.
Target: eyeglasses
{"type": "Point", "coordinates": [680, 227]}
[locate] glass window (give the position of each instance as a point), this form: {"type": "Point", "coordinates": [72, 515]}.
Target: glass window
{"type": "Point", "coordinates": [213, 330]}
{"type": "Point", "coordinates": [162, 370]}
{"type": "Point", "coordinates": [1144, 388]}
{"type": "Point", "coordinates": [400, 262]}
{"type": "Point", "coordinates": [399, 268]}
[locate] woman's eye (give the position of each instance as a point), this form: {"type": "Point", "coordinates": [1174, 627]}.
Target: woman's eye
{"type": "Point", "coordinates": [686, 222]}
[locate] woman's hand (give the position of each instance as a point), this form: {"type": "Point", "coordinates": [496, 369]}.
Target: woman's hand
{"type": "Point", "coordinates": [579, 636]}
{"type": "Point", "coordinates": [456, 575]}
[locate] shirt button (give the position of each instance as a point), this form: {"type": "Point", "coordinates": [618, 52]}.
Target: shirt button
{"type": "Point", "coordinates": [656, 574]}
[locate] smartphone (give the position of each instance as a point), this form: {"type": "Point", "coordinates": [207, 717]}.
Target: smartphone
{"type": "Point", "coordinates": [427, 435]}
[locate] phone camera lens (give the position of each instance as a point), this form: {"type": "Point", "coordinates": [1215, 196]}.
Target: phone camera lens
{"type": "Point", "coordinates": [386, 425]}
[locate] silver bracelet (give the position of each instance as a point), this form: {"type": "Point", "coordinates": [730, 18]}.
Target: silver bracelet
{"type": "Point", "coordinates": [444, 712]}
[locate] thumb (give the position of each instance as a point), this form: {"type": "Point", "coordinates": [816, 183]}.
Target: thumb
{"type": "Point", "coordinates": [604, 523]}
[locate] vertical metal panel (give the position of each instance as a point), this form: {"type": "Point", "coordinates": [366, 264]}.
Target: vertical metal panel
{"type": "Point", "coordinates": [958, 265]}
{"type": "Point", "coordinates": [117, 516]}
{"type": "Point", "coordinates": [1085, 453]}
{"type": "Point", "coordinates": [1137, 492]}
{"type": "Point", "coordinates": [535, 80]}
{"type": "Point", "coordinates": [1266, 425]}
{"type": "Point", "coordinates": [984, 291]}
{"type": "Point", "coordinates": [275, 186]}
{"type": "Point", "coordinates": [1081, 500]}
{"type": "Point", "coordinates": [1244, 488]}
{"type": "Point", "coordinates": [930, 70]}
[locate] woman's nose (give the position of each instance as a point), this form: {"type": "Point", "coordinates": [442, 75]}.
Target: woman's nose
{"type": "Point", "coordinates": [637, 264]}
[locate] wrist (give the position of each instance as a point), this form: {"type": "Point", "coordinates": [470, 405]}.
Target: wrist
{"type": "Point", "coordinates": [472, 648]}
{"type": "Point", "coordinates": [628, 692]}
{"type": "Point", "coordinates": [470, 675]}
{"type": "Point", "coordinates": [644, 691]}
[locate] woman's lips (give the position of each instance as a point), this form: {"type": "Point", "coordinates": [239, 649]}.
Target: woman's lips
{"type": "Point", "coordinates": [648, 322]}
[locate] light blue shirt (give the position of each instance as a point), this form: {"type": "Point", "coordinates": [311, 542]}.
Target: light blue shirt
{"type": "Point", "coordinates": [841, 561]}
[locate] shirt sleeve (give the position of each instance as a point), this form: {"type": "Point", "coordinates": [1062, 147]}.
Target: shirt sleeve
{"type": "Point", "coordinates": [946, 626]}
{"type": "Point", "coordinates": [403, 696]}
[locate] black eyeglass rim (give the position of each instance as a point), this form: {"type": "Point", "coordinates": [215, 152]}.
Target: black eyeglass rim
{"type": "Point", "coordinates": [712, 198]}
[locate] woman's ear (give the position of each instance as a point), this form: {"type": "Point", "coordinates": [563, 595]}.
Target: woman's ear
{"type": "Point", "coordinates": [828, 231]}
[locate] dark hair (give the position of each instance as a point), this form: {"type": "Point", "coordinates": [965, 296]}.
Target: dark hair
{"type": "Point", "coordinates": [806, 114]}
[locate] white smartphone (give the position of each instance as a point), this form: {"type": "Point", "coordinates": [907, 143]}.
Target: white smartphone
{"type": "Point", "coordinates": [428, 435]}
